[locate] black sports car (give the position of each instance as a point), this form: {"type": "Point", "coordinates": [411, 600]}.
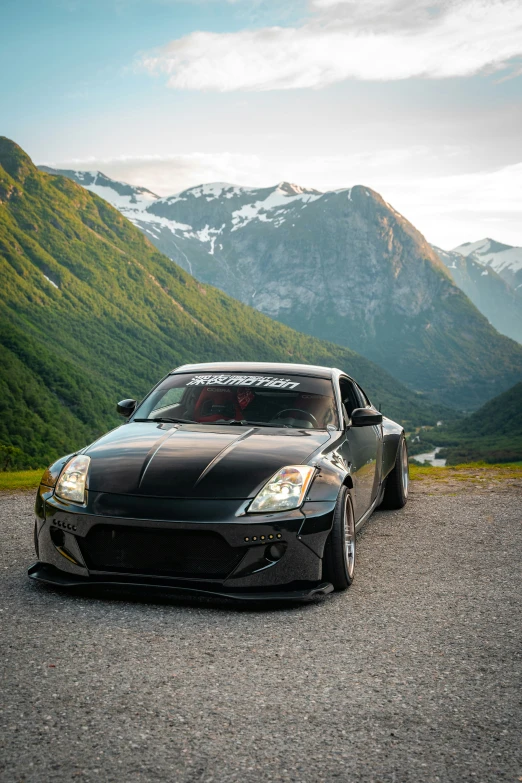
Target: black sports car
{"type": "Point", "coordinates": [243, 480]}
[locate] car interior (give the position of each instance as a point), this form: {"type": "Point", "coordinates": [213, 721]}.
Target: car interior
{"type": "Point", "coordinates": [278, 407]}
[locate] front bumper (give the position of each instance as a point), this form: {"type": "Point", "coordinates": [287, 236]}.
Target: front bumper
{"type": "Point", "coordinates": [108, 544]}
{"type": "Point", "coordinates": [42, 572]}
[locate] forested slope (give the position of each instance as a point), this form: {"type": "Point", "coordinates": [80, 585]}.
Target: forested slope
{"type": "Point", "coordinates": [491, 434]}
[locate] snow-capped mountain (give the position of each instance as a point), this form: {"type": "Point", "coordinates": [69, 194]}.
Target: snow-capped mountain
{"type": "Point", "coordinates": [183, 216]}
{"type": "Point", "coordinates": [506, 260]}
{"type": "Point", "coordinates": [341, 265]}
{"type": "Point", "coordinates": [489, 292]}
{"type": "Point", "coordinates": [119, 194]}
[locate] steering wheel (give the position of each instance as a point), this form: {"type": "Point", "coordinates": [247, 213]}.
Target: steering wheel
{"type": "Point", "coordinates": [309, 415]}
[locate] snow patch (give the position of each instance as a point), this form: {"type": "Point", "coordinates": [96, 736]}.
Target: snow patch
{"type": "Point", "coordinates": [277, 201]}
{"type": "Point", "coordinates": [209, 191]}
{"type": "Point", "coordinates": [488, 252]}
{"type": "Point", "coordinates": [480, 247]}
{"type": "Point", "coordinates": [136, 202]}
{"type": "Point", "coordinates": [204, 234]}
{"type": "Point", "coordinates": [289, 189]}
{"type": "Point", "coordinates": [51, 282]}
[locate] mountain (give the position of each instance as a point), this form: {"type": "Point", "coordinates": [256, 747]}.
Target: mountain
{"type": "Point", "coordinates": [92, 312]}
{"type": "Point", "coordinates": [119, 194]}
{"type": "Point", "coordinates": [491, 434]}
{"type": "Point", "coordinates": [490, 293]}
{"type": "Point", "coordinates": [506, 260]}
{"type": "Point", "coordinates": [343, 266]}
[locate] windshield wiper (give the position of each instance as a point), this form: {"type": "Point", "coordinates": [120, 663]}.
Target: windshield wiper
{"type": "Point", "coordinates": [233, 422]}
{"type": "Point", "coordinates": [170, 421]}
{"type": "Point", "coordinates": [247, 423]}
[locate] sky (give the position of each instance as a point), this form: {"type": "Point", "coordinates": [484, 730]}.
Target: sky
{"type": "Point", "coordinates": [418, 99]}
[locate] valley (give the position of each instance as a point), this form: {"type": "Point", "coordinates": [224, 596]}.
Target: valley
{"type": "Point", "coordinates": [343, 266]}
{"type": "Point", "coordinates": [92, 312]}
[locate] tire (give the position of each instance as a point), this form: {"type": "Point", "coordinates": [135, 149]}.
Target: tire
{"type": "Point", "coordinates": [339, 551]}
{"type": "Point", "coordinates": [397, 482]}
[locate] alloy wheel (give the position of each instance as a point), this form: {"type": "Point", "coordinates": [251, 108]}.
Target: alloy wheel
{"type": "Point", "coordinates": [349, 537]}
{"type": "Point", "coordinates": [405, 470]}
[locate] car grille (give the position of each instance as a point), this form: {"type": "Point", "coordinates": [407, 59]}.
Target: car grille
{"type": "Point", "coordinates": [157, 551]}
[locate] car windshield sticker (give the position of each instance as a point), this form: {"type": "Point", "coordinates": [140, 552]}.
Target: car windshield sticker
{"type": "Point", "coordinates": [243, 380]}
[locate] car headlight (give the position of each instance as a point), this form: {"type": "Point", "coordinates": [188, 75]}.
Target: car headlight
{"type": "Point", "coordinates": [71, 484]}
{"type": "Point", "coordinates": [285, 490]}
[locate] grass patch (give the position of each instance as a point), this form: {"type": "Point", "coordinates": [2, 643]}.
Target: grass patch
{"type": "Point", "coordinates": [470, 471]}
{"type": "Point", "coordinates": [20, 479]}
{"type": "Point", "coordinates": [30, 479]}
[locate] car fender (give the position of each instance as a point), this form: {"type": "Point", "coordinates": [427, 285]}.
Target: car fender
{"type": "Point", "coordinates": [392, 434]}
{"type": "Point", "coordinates": [333, 471]}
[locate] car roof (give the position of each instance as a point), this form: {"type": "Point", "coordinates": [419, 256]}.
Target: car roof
{"type": "Point", "coordinates": [260, 367]}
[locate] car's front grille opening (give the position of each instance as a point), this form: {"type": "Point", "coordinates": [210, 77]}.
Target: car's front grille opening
{"type": "Point", "coordinates": [158, 551]}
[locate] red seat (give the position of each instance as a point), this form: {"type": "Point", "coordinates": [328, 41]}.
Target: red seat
{"type": "Point", "coordinates": [217, 403]}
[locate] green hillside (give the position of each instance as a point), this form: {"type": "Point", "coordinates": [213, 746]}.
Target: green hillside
{"type": "Point", "coordinates": [91, 312]}
{"type": "Point", "coordinates": [491, 434]}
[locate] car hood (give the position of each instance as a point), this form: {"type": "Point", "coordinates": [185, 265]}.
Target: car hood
{"type": "Point", "coordinates": [197, 461]}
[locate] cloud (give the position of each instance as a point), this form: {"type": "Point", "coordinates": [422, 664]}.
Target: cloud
{"type": "Point", "coordinates": [375, 40]}
{"type": "Point", "coordinates": [450, 210]}
{"type": "Point", "coordinates": [168, 174]}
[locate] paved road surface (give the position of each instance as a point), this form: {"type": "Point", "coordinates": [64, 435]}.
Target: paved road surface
{"type": "Point", "coordinates": [409, 676]}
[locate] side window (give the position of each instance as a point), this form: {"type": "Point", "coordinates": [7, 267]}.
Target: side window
{"type": "Point", "coordinates": [348, 395]}
{"type": "Point", "coordinates": [364, 399]}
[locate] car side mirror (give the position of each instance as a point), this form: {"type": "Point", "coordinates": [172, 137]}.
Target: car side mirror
{"type": "Point", "coordinates": [365, 417]}
{"type": "Point", "coordinates": [126, 407]}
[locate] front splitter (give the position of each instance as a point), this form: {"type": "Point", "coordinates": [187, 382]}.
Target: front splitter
{"type": "Point", "coordinates": [48, 574]}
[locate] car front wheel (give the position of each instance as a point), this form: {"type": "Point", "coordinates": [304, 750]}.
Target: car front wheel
{"type": "Point", "coordinates": [339, 551]}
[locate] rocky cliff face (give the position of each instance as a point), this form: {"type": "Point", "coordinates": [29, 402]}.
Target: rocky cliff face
{"type": "Point", "coordinates": [340, 265]}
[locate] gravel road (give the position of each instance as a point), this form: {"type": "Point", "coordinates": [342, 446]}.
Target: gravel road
{"type": "Point", "coordinates": [411, 675]}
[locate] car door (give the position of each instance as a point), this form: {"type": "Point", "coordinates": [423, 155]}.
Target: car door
{"type": "Point", "coordinates": [362, 448]}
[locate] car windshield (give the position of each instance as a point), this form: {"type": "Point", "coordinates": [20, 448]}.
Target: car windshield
{"type": "Point", "coordinates": [266, 400]}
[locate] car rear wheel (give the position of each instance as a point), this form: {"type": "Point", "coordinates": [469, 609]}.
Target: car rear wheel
{"type": "Point", "coordinates": [339, 551]}
{"type": "Point", "coordinates": [397, 483]}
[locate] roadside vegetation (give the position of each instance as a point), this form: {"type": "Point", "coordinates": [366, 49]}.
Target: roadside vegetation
{"type": "Point", "coordinates": [477, 472]}
{"type": "Point", "coordinates": [20, 479]}
{"type": "Point", "coordinates": [465, 471]}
